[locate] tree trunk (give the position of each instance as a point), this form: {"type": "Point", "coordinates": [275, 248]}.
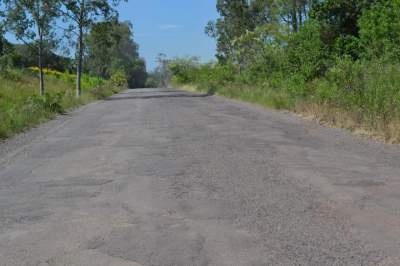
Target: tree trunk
{"type": "Point", "coordinates": [1, 43]}
{"type": "Point", "coordinates": [79, 65]}
{"type": "Point", "coordinates": [294, 21]}
{"type": "Point", "coordinates": [41, 74]}
{"type": "Point", "coordinates": [300, 16]}
{"type": "Point", "coordinates": [79, 52]}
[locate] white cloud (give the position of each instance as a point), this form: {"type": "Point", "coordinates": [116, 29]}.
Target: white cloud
{"type": "Point", "coordinates": [170, 27]}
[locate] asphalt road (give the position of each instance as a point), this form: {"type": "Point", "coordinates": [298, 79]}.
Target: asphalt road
{"type": "Point", "coordinates": [162, 177]}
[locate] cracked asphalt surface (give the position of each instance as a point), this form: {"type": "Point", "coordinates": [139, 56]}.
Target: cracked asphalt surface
{"type": "Point", "coordinates": [164, 177]}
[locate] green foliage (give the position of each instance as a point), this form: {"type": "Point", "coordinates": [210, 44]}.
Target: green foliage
{"type": "Point", "coordinates": [32, 20]}
{"type": "Point", "coordinates": [80, 15]}
{"type": "Point", "coordinates": [207, 76]}
{"type": "Point", "coordinates": [24, 56]}
{"type": "Point", "coordinates": [161, 76]}
{"type": "Point", "coordinates": [33, 23]}
{"type": "Point", "coordinates": [235, 20]}
{"type": "Point", "coordinates": [239, 17]}
{"type": "Point", "coordinates": [11, 74]}
{"type": "Point", "coordinates": [48, 102]}
{"type": "Point", "coordinates": [152, 80]}
{"type": "Point", "coordinates": [184, 69]}
{"type": "Point", "coordinates": [306, 51]}
{"type": "Point", "coordinates": [360, 86]}
{"type": "Point", "coordinates": [341, 56]}
{"type": "Point", "coordinates": [112, 50]}
{"type": "Point", "coordinates": [21, 107]}
{"type": "Point", "coordinates": [108, 47]}
{"type": "Point", "coordinates": [380, 30]}
{"type": "Point", "coordinates": [119, 79]}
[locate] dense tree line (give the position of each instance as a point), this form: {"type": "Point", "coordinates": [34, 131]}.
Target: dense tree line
{"type": "Point", "coordinates": [335, 54]}
{"type": "Point", "coordinates": [111, 49]}
{"type": "Point", "coordinates": [102, 45]}
{"type": "Point", "coordinates": [337, 24]}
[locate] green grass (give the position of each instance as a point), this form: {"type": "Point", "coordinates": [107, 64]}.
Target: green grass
{"type": "Point", "coordinates": [21, 107]}
{"type": "Point", "coordinates": [359, 96]}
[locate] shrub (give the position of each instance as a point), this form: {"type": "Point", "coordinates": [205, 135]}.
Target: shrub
{"type": "Point", "coordinates": [380, 30]}
{"type": "Point", "coordinates": [184, 69]}
{"type": "Point", "coordinates": [119, 79]}
{"type": "Point", "coordinates": [48, 102]}
{"type": "Point", "coordinates": [21, 107]}
{"type": "Point", "coordinates": [306, 51]}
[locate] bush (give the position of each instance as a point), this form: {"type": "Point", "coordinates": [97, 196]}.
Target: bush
{"type": "Point", "coordinates": [11, 74]}
{"type": "Point", "coordinates": [119, 79]}
{"type": "Point", "coordinates": [306, 51]}
{"type": "Point", "coordinates": [184, 69]}
{"type": "Point", "coordinates": [48, 102]}
{"type": "Point", "coordinates": [370, 88]}
{"type": "Point", "coordinates": [21, 107]}
{"type": "Point", "coordinates": [380, 30]}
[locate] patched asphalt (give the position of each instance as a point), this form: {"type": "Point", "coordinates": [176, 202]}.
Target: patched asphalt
{"type": "Point", "coordinates": [167, 177]}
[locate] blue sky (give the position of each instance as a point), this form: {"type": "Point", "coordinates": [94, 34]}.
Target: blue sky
{"type": "Point", "coordinates": [172, 27]}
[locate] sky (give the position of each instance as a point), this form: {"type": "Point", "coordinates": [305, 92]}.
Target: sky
{"type": "Point", "coordinates": [172, 27]}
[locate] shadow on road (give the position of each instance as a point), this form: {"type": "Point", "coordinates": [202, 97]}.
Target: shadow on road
{"type": "Point", "coordinates": [158, 96]}
{"type": "Point", "coordinates": [139, 91]}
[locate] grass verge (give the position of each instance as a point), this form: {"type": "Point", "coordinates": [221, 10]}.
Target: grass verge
{"type": "Point", "coordinates": [361, 96]}
{"type": "Point", "coordinates": [352, 119]}
{"type": "Point", "coordinates": [21, 107]}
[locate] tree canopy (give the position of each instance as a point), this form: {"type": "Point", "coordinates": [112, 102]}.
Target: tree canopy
{"type": "Point", "coordinates": [111, 49]}
{"type": "Point", "coordinates": [102, 45]}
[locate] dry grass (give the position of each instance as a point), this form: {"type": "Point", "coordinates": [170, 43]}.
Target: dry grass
{"type": "Point", "coordinates": [188, 87]}
{"type": "Point", "coordinates": [326, 115]}
{"type": "Point", "coordinates": [352, 121]}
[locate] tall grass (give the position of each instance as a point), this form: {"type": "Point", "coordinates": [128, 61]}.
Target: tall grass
{"type": "Point", "coordinates": [357, 95]}
{"type": "Point", "coordinates": [21, 107]}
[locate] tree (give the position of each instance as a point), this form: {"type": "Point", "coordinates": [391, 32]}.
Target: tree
{"type": "Point", "coordinates": [339, 21]}
{"type": "Point", "coordinates": [2, 42]}
{"type": "Point", "coordinates": [294, 12]}
{"type": "Point", "coordinates": [264, 11]}
{"type": "Point", "coordinates": [235, 20]}
{"type": "Point", "coordinates": [82, 14]}
{"type": "Point", "coordinates": [162, 70]}
{"type": "Point", "coordinates": [111, 48]}
{"type": "Point", "coordinates": [7, 55]}
{"type": "Point", "coordinates": [25, 56]}
{"type": "Point", "coordinates": [380, 30]}
{"type": "Point", "coordinates": [32, 20]}
{"type": "Point", "coordinates": [238, 17]}
{"type": "Point", "coordinates": [306, 51]}
{"type": "Point", "coordinates": [184, 69]}
{"type": "Point", "coordinates": [99, 43]}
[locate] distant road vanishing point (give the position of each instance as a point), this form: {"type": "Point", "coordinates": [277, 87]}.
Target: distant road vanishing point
{"type": "Point", "coordinates": [166, 177]}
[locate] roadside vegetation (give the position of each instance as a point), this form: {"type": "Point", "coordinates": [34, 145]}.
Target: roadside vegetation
{"type": "Point", "coordinates": [22, 107]}
{"type": "Point", "coordinates": [68, 53]}
{"type": "Point", "coordinates": [336, 61]}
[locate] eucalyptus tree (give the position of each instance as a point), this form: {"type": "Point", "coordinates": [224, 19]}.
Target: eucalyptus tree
{"type": "Point", "coordinates": [2, 40]}
{"type": "Point", "coordinates": [294, 12]}
{"type": "Point", "coordinates": [235, 19]}
{"type": "Point", "coordinates": [163, 71]}
{"type": "Point", "coordinates": [32, 22]}
{"type": "Point", "coordinates": [81, 14]}
{"type": "Point", "coordinates": [111, 49]}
